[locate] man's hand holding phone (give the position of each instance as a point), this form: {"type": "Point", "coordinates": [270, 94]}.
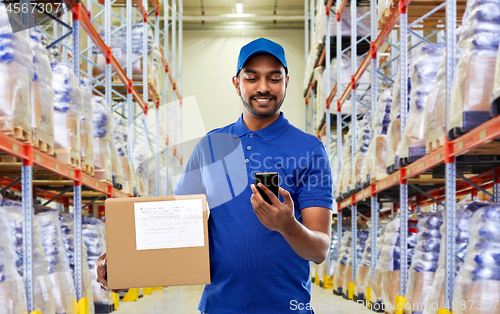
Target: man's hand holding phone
{"type": "Point", "coordinates": [276, 216]}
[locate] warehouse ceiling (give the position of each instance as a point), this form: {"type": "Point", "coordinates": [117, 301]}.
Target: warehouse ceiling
{"type": "Point", "coordinates": [257, 14]}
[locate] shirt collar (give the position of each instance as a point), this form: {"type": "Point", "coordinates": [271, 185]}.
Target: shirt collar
{"type": "Point", "coordinates": [268, 133]}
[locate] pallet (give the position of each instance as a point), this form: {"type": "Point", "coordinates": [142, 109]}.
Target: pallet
{"type": "Point", "coordinates": [18, 133]}
{"type": "Point", "coordinates": [414, 154]}
{"type": "Point", "coordinates": [103, 308]}
{"type": "Point", "coordinates": [377, 307]}
{"type": "Point", "coordinates": [88, 169]}
{"type": "Point", "coordinates": [42, 146]}
{"type": "Point", "coordinates": [9, 159]}
{"type": "Point", "coordinates": [432, 145]}
{"type": "Point", "coordinates": [471, 120]}
{"type": "Point", "coordinates": [68, 157]}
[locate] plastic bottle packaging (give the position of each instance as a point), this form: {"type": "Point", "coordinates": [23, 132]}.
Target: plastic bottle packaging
{"type": "Point", "coordinates": [102, 139]}
{"type": "Point", "coordinates": [87, 128]}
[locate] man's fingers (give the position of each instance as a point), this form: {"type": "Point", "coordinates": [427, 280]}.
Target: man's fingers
{"type": "Point", "coordinates": [259, 200]}
{"type": "Point", "coordinates": [286, 196]}
{"type": "Point", "coordinates": [256, 205]}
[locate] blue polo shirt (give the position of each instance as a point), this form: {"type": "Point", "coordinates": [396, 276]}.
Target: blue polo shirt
{"type": "Point", "coordinates": [254, 269]}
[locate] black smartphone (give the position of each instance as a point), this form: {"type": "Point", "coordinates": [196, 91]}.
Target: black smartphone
{"type": "Point", "coordinates": [270, 180]}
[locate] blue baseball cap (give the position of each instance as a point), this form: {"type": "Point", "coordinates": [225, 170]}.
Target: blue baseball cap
{"type": "Point", "coordinates": [261, 46]}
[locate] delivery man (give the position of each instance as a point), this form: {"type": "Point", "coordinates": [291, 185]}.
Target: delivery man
{"type": "Point", "coordinates": [260, 253]}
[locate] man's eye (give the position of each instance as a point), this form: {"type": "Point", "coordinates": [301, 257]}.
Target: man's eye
{"type": "Point", "coordinates": [275, 80]}
{"type": "Point", "coordinates": [251, 79]}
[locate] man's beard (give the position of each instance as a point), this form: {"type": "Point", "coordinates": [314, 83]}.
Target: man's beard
{"type": "Point", "coordinates": [250, 108]}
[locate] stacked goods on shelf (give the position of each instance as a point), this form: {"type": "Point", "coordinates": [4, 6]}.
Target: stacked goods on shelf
{"type": "Point", "coordinates": [384, 11]}
{"type": "Point", "coordinates": [102, 139]}
{"type": "Point", "coordinates": [435, 111]}
{"type": "Point", "coordinates": [390, 262]}
{"type": "Point", "coordinates": [479, 278]}
{"type": "Point", "coordinates": [68, 109]}
{"type": "Point", "coordinates": [363, 271]}
{"type": "Point", "coordinates": [424, 263]}
{"type": "Point", "coordinates": [475, 71]}
{"type": "Point", "coordinates": [495, 95]}
{"type": "Point", "coordinates": [462, 231]}
{"type": "Point", "coordinates": [42, 97]}
{"type": "Point", "coordinates": [12, 293]}
{"type": "Point", "coordinates": [361, 238]}
{"type": "Point", "coordinates": [88, 278]}
{"type": "Point", "coordinates": [360, 161]}
{"type": "Point", "coordinates": [334, 164]}
{"type": "Point", "coordinates": [117, 167]}
{"type": "Point", "coordinates": [345, 176]}
{"type": "Point", "coordinates": [377, 152]}
{"type": "Point", "coordinates": [334, 254]}
{"type": "Point", "coordinates": [120, 141]}
{"type": "Point", "coordinates": [119, 48]}
{"type": "Point", "coordinates": [16, 74]}
{"type": "Point", "coordinates": [43, 293]}
{"type": "Point", "coordinates": [375, 283]}
{"type": "Point", "coordinates": [140, 168]}
{"type": "Point", "coordinates": [341, 265]}
{"type": "Point", "coordinates": [87, 129]}
{"type": "Point", "coordinates": [94, 237]}
{"type": "Point", "coordinates": [423, 69]}
{"type": "Point", "coordinates": [319, 109]}
{"type": "Point", "coordinates": [59, 271]}
{"type": "Point", "coordinates": [394, 130]}
{"type": "Point", "coordinates": [156, 68]}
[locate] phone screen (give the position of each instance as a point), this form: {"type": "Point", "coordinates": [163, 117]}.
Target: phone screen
{"type": "Point", "coordinates": [270, 180]}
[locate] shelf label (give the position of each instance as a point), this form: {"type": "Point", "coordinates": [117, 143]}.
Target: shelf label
{"type": "Point", "coordinates": [438, 157]}
{"type": "Point", "coordinates": [483, 134]}
{"type": "Point", "coordinates": [460, 145]}
{"type": "Point", "coordinates": [38, 158]}
{"type": "Point", "coordinates": [15, 147]}
{"type": "Point", "coordinates": [408, 171]}
{"type": "Point", "coordinates": [396, 179]}
{"type": "Point", "coordinates": [83, 178]}
{"type": "Point", "coordinates": [72, 173]}
{"type": "Point", "coordinates": [423, 164]}
{"type": "Point", "coordinates": [57, 167]}
{"type": "Point", "coordinates": [97, 184]}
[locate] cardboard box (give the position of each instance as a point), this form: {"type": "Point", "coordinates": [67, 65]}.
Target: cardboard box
{"type": "Point", "coordinates": [139, 230]}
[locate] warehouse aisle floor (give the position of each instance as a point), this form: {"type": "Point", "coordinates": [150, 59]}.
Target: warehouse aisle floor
{"type": "Point", "coordinates": [180, 300]}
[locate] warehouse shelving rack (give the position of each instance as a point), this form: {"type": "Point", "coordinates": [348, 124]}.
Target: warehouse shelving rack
{"type": "Point", "coordinates": [37, 174]}
{"type": "Point", "coordinates": [405, 184]}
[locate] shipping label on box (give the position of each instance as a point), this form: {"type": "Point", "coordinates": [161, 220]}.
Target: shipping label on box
{"type": "Point", "coordinates": [157, 241]}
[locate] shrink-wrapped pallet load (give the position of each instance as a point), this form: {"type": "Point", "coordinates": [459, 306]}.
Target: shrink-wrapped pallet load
{"type": "Point", "coordinates": [16, 74]}
{"type": "Point", "coordinates": [390, 262]}
{"type": "Point", "coordinates": [117, 167]}
{"type": "Point", "coordinates": [424, 263]}
{"type": "Point", "coordinates": [475, 71]}
{"type": "Point", "coordinates": [394, 130]}
{"type": "Point", "coordinates": [423, 69]}
{"type": "Point", "coordinates": [87, 129]}
{"type": "Point", "coordinates": [60, 276]}
{"type": "Point", "coordinates": [479, 278]}
{"type": "Point", "coordinates": [341, 265]}
{"type": "Point", "coordinates": [377, 152]}
{"type": "Point", "coordinates": [43, 290]}
{"type": "Point", "coordinates": [360, 246]}
{"type": "Point", "coordinates": [102, 139]}
{"type": "Point", "coordinates": [68, 110]}
{"type": "Point", "coordinates": [88, 278]}
{"type": "Point", "coordinates": [42, 97]}
{"type": "Point", "coordinates": [462, 227]}
{"type": "Point", "coordinates": [364, 132]}
{"type": "Point", "coordinates": [363, 270]}
{"type": "Point", "coordinates": [345, 176]}
{"type": "Point", "coordinates": [121, 142]}
{"type": "Point", "coordinates": [375, 283]}
{"type": "Point", "coordinates": [140, 168]}
{"type": "Point", "coordinates": [94, 237]}
{"type": "Point", "coordinates": [119, 48]}
{"type": "Point", "coordinates": [12, 293]}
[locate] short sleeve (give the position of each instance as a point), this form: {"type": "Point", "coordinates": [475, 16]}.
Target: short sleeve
{"type": "Point", "coordinates": [315, 185]}
{"type": "Point", "coordinates": [191, 180]}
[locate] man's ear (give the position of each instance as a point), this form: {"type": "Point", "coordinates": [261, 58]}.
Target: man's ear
{"type": "Point", "coordinates": [286, 81]}
{"type": "Point", "coordinates": [236, 83]}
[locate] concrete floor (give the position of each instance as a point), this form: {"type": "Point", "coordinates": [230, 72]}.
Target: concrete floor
{"type": "Point", "coordinates": [185, 300]}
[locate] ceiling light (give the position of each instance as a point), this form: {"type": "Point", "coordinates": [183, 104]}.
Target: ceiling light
{"type": "Point", "coordinates": [239, 8]}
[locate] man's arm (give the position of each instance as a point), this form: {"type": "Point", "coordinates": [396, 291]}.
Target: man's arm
{"type": "Point", "coordinates": [310, 240]}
